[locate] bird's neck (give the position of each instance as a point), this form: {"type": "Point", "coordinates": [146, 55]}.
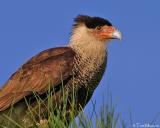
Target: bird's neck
{"type": "Point", "coordinates": [86, 45]}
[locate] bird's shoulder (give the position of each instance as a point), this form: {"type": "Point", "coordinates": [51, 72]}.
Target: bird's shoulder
{"type": "Point", "coordinates": [48, 54]}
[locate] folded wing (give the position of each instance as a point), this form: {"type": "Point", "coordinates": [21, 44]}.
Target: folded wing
{"type": "Point", "coordinates": [48, 68]}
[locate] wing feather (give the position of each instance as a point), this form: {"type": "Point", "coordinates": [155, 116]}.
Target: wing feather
{"type": "Point", "coordinates": [41, 71]}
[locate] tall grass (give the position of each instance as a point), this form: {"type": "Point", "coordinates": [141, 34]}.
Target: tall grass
{"type": "Point", "coordinates": [60, 117]}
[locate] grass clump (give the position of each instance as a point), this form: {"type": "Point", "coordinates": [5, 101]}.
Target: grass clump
{"type": "Point", "coordinates": [60, 116]}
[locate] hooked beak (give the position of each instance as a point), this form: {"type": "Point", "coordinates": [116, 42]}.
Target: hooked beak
{"type": "Point", "coordinates": [117, 35]}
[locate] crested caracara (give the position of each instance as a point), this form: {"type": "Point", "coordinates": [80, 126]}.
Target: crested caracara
{"type": "Point", "coordinates": [79, 65]}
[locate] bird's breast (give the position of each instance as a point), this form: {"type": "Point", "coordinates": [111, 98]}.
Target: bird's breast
{"type": "Point", "coordinates": [87, 75]}
{"type": "Point", "coordinates": [89, 71]}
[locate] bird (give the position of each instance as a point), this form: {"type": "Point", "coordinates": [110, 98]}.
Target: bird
{"type": "Point", "coordinates": [79, 65]}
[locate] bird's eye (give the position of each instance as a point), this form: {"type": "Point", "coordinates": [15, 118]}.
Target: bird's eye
{"type": "Point", "coordinates": [98, 28]}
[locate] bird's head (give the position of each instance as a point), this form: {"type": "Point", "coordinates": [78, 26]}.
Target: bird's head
{"type": "Point", "coordinates": [93, 29]}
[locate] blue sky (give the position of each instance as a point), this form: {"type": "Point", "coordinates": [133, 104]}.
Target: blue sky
{"type": "Point", "coordinates": [133, 71]}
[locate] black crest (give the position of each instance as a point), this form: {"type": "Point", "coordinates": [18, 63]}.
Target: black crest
{"type": "Point", "coordinates": [91, 22]}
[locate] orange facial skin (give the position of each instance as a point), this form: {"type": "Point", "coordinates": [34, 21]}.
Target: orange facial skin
{"type": "Point", "coordinates": [104, 33]}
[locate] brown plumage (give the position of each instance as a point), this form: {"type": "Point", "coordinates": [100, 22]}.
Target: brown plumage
{"type": "Point", "coordinates": [36, 75]}
{"type": "Point", "coordinates": [79, 65]}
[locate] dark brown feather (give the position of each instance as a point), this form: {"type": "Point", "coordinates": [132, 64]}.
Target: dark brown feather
{"type": "Point", "coordinates": [91, 22]}
{"type": "Point", "coordinates": [41, 71]}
